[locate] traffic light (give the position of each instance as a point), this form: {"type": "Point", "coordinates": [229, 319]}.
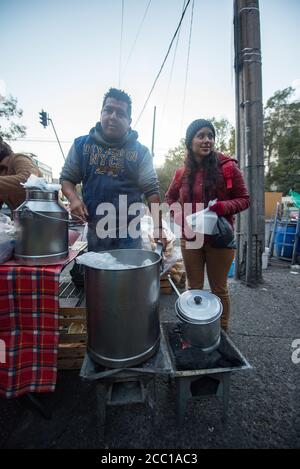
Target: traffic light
{"type": "Point", "coordinates": [43, 118]}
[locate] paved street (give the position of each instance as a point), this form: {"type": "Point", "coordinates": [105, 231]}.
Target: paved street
{"type": "Point", "coordinates": [264, 408]}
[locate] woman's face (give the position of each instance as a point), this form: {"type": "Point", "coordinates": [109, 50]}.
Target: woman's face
{"type": "Point", "coordinates": [203, 143]}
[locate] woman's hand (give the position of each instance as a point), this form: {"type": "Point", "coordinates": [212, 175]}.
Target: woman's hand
{"type": "Point", "coordinates": [218, 208]}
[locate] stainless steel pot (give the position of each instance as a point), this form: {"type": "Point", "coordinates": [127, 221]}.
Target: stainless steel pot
{"type": "Point", "coordinates": [41, 227]}
{"type": "Point", "coordinates": [199, 313]}
{"type": "Point", "coordinates": [123, 309]}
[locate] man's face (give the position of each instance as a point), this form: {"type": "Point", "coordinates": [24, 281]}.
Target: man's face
{"type": "Point", "coordinates": [114, 119]}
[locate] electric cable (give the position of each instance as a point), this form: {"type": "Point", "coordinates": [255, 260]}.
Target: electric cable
{"type": "Point", "coordinates": [187, 64]}
{"type": "Point", "coordinates": [121, 40]}
{"type": "Point", "coordinates": [136, 37]}
{"type": "Point", "coordinates": [171, 72]}
{"type": "Point", "coordinates": [37, 140]}
{"type": "Point", "coordinates": [164, 61]}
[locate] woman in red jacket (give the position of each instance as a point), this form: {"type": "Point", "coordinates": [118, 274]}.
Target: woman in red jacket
{"type": "Point", "coordinates": [208, 175]}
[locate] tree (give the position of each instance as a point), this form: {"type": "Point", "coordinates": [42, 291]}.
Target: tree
{"type": "Point", "coordinates": [225, 142]}
{"type": "Point", "coordinates": [285, 173]}
{"type": "Point", "coordinates": [225, 136]}
{"type": "Point", "coordinates": [282, 141]}
{"type": "Point", "coordinates": [8, 111]}
{"type": "Point", "coordinates": [174, 160]}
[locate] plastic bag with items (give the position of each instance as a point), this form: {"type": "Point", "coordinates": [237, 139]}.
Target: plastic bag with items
{"type": "Point", "coordinates": [172, 257]}
{"type": "Point", "coordinates": [7, 238]}
{"type": "Point", "coordinates": [148, 241]}
{"type": "Point", "coordinates": [34, 182]}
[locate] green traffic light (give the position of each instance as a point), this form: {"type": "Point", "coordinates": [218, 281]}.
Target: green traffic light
{"type": "Point", "coordinates": [43, 118]}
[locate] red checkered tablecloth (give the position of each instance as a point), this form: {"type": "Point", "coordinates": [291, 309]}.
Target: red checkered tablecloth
{"type": "Point", "coordinates": [29, 307]}
{"type": "Point", "coordinates": [29, 330]}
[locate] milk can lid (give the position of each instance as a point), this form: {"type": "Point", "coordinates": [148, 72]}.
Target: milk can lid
{"type": "Point", "coordinates": [199, 306]}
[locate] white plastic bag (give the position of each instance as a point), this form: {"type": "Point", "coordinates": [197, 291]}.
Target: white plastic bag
{"type": "Point", "coordinates": [104, 260]}
{"type": "Point", "coordinates": [6, 250]}
{"type": "Point", "coordinates": [203, 222]}
{"type": "Point", "coordinates": [7, 238]}
{"type": "Point", "coordinates": [34, 182]}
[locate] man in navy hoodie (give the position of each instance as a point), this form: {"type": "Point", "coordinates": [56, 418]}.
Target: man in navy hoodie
{"type": "Point", "coordinates": [110, 163]}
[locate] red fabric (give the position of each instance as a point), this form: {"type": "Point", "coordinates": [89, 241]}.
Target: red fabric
{"type": "Point", "coordinates": [234, 200]}
{"type": "Point", "coordinates": [29, 329]}
{"type": "Point", "coordinates": [227, 169]}
{"type": "Point", "coordinates": [29, 307]}
{"type": "Point", "coordinates": [218, 207]}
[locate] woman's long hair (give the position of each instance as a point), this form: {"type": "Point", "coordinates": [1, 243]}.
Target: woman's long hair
{"type": "Point", "coordinates": [211, 176]}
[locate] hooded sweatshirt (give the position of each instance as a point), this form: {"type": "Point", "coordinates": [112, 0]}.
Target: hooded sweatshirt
{"type": "Point", "coordinates": [109, 169]}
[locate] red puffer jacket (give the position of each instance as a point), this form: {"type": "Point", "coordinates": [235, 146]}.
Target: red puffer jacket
{"type": "Point", "coordinates": [235, 200]}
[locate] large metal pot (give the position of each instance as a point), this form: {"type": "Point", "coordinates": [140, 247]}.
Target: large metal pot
{"type": "Point", "coordinates": [199, 313]}
{"type": "Point", "coordinates": [41, 227]}
{"type": "Point", "coordinates": [123, 309]}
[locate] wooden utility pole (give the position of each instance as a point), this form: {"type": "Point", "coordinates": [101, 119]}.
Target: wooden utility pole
{"type": "Point", "coordinates": [249, 139]}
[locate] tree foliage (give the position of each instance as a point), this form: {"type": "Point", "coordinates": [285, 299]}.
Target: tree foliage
{"type": "Point", "coordinates": [173, 161]}
{"type": "Point", "coordinates": [225, 142]}
{"type": "Point", "coordinates": [8, 111]}
{"type": "Point", "coordinates": [281, 144]}
{"type": "Point", "coordinates": [225, 136]}
{"type": "Point", "coordinates": [282, 141]}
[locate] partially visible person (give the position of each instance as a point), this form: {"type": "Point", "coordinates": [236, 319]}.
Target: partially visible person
{"type": "Point", "coordinates": [110, 162]}
{"type": "Point", "coordinates": [14, 169]}
{"type": "Point", "coordinates": [207, 175]}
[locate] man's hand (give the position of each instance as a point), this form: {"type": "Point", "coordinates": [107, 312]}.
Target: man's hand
{"type": "Point", "coordinates": [160, 235]}
{"type": "Point", "coordinates": [78, 209]}
{"type": "Point", "coordinates": [158, 232]}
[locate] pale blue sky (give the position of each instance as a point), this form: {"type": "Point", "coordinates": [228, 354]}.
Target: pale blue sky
{"type": "Point", "coordinates": [63, 55]}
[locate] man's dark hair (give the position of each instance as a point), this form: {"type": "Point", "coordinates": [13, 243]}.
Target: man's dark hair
{"type": "Point", "coordinates": [120, 95]}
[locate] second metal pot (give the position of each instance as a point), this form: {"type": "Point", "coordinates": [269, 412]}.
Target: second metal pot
{"type": "Point", "coordinates": [199, 313]}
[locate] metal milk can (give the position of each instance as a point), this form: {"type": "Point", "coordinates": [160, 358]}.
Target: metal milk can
{"type": "Point", "coordinates": [41, 228]}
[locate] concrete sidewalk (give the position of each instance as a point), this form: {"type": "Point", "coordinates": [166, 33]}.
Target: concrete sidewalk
{"type": "Point", "coordinates": [264, 408]}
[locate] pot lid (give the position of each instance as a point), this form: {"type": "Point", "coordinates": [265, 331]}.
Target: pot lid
{"type": "Point", "coordinates": [199, 306]}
